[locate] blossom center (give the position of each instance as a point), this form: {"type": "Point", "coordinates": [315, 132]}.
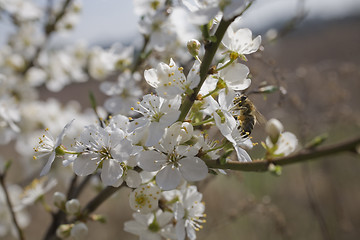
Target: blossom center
{"type": "Point", "coordinates": [105, 153]}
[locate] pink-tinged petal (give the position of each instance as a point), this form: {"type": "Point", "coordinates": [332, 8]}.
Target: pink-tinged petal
{"type": "Point", "coordinates": [111, 173]}
{"type": "Point", "coordinates": [193, 168]}
{"type": "Point", "coordinates": [168, 178]}
{"type": "Point", "coordinates": [83, 165]}
{"type": "Point", "coordinates": [151, 160]}
{"type": "Point", "coordinates": [48, 164]}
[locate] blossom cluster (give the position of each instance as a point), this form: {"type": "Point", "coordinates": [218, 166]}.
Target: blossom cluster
{"type": "Point", "coordinates": [139, 138]}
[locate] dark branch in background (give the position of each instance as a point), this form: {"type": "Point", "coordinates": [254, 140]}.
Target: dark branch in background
{"type": "Point", "coordinates": [49, 28]}
{"type": "Point", "coordinates": [313, 202]}
{"type": "Point", "coordinates": [304, 155]}
{"type": "Point", "coordinates": [99, 199]}
{"type": "Point", "coordinates": [142, 55]}
{"type": "Point", "coordinates": [8, 202]}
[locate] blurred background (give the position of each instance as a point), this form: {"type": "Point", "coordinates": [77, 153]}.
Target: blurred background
{"type": "Point", "coordinates": [316, 57]}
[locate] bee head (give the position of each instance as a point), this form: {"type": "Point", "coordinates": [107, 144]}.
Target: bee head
{"type": "Point", "coordinates": [243, 98]}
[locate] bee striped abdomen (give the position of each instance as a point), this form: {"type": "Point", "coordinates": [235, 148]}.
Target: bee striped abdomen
{"type": "Point", "coordinates": [245, 116]}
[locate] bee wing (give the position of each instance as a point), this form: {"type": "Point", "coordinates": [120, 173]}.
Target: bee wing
{"type": "Point", "coordinates": [260, 119]}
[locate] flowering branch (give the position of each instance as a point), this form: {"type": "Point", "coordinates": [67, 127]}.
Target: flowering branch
{"type": "Point", "coordinates": [211, 49]}
{"type": "Point", "coordinates": [304, 155]}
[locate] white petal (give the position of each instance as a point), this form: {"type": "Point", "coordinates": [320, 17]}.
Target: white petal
{"type": "Point", "coordinates": [190, 232]}
{"type": "Point", "coordinates": [151, 160]}
{"type": "Point", "coordinates": [62, 134]}
{"type": "Point", "coordinates": [84, 166]}
{"type": "Point", "coordinates": [242, 155]}
{"type": "Point", "coordinates": [111, 173]}
{"type": "Point", "coordinates": [48, 164]}
{"type": "Point", "coordinates": [151, 77]}
{"type": "Point", "coordinates": [193, 168]}
{"type": "Point", "coordinates": [194, 76]}
{"type": "Point", "coordinates": [168, 178]}
{"type": "Point", "coordinates": [156, 131]}
{"type": "Point", "coordinates": [164, 218]}
{"type": "Point", "coordinates": [180, 229]}
{"type": "Point", "coordinates": [134, 227]}
{"type": "Point", "coordinates": [133, 179]}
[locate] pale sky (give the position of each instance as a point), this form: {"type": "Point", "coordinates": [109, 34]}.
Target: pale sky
{"type": "Point", "coordinates": [113, 20]}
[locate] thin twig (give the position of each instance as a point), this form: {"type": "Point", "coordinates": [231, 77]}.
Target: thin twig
{"type": "Point", "coordinates": [72, 187]}
{"type": "Point", "coordinates": [99, 199]}
{"type": "Point", "coordinates": [314, 205]}
{"type": "Point", "coordinates": [81, 186]}
{"type": "Point", "coordinates": [10, 206]}
{"type": "Point", "coordinates": [304, 155]}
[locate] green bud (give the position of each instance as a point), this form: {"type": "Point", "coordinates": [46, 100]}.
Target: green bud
{"type": "Point", "coordinates": [316, 141]}
{"type": "Point", "coordinates": [193, 46]}
{"type": "Point", "coordinates": [275, 169]}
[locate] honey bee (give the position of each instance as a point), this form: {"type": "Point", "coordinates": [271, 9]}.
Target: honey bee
{"type": "Point", "coordinates": [246, 113]}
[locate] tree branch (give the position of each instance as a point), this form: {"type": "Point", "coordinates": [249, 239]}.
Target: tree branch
{"type": "Point", "coordinates": [304, 155]}
{"type": "Point", "coordinates": [211, 49]}
{"type": "Point", "coordinates": [10, 206]}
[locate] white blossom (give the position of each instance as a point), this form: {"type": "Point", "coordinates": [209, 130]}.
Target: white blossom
{"type": "Point", "coordinates": [104, 148]}
{"type": "Point", "coordinates": [170, 81]}
{"type": "Point", "coordinates": [241, 41]}
{"type": "Point", "coordinates": [158, 113]}
{"type": "Point", "coordinates": [151, 226]}
{"type": "Point", "coordinates": [235, 76]}
{"type": "Point", "coordinates": [173, 162]}
{"type": "Point", "coordinates": [145, 198]}
{"type": "Point", "coordinates": [189, 213]}
{"type": "Point", "coordinates": [36, 190]}
{"type": "Point", "coordinates": [123, 94]}
{"type": "Point", "coordinates": [50, 146]}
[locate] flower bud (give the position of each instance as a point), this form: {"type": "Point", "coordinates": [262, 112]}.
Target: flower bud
{"type": "Point", "coordinates": [274, 128]}
{"type": "Point", "coordinates": [16, 62]}
{"type": "Point", "coordinates": [63, 231]}
{"type": "Point", "coordinates": [79, 231]}
{"type": "Point", "coordinates": [193, 46]}
{"type": "Point", "coordinates": [72, 206]}
{"type": "Point", "coordinates": [59, 199]}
